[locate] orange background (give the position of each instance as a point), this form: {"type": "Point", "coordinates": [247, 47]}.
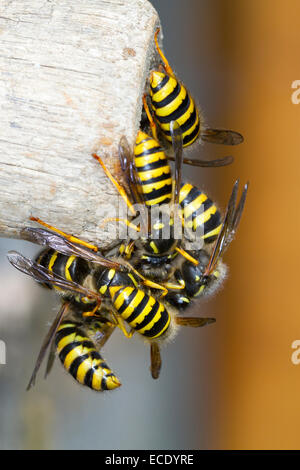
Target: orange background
{"type": "Point", "coordinates": [262, 384]}
{"type": "Point", "coordinates": [250, 50]}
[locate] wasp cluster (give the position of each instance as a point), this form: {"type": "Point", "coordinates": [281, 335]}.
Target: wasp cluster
{"type": "Point", "coordinates": [170, 257]}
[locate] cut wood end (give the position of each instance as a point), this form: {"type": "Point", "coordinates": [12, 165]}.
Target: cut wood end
{"type": "Point", "coordinates": [74, 76]}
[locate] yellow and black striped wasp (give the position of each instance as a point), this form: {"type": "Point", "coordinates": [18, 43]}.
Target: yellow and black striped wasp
{"type": "Point", "coordinates": [171, 101]}
{"type": "Point", "coordinates": [204, 278]}
{"type": "Point", "coordinates": [199, 272]}
{"type": "Point", "coordinates": [78, 342]}
{"type": "Point", "coordinates": [69, 274]}
{"type": "Point", "coordinates": [152, 187]}
{"type": "Point", "coordinates": [95, 287]}
{"type": "Point", "coordinates": [204, 272]}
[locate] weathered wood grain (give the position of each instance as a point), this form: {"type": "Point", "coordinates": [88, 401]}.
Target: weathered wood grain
{"type": "Point", "coordinates": [72, 75]}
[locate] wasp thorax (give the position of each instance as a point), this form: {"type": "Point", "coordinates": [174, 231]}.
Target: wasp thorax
{"type": "Point", "coordinates": [162, 232]}
{"type": "Point", "coordinates": [198, 282]}
{"type": "Point", "coordinates": [109, 278]}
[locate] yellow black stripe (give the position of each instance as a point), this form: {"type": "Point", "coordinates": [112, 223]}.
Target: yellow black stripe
{"type": "Point", "coordinates": [70, 268]}
{"type": "Point", "coordinates": [81, 359]}
{"type": "Point", "coordinates": [141, 311]}
{"type": "Point", "coordinates": [198, 210]}
{"type": "Point", "coordinates": [172, 102]}
{"type": "Point", "coordinates": [153, 170]}
{"type": "Point", "coordinates": [43, 259]}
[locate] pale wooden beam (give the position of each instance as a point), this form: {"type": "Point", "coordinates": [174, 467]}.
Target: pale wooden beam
{"type": "Point", "coordinates": [72, 75]}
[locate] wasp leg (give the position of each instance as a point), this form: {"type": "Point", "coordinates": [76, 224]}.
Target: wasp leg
{"type": "Point", "coordinates": [119, 322]}
{"type": "Point", "coordinates": [180, 282]}
{"type": "Point", "coordinates": [167, 66]}
{"type": "Point", "coordinates": [120, 219]}
{"type": "Point", "coordinates": [187, 256]}
{"type": "Point", "coordinates": [145, 281]}
{"type": "Point", "coordinates": [48, 341]}
{"type": "Point", "coordinates": [121, 190]}
{"type": "Point", "coordinates": [92, 313]}
{"type": "Point", "coordinates": [155, 358]}
{"type": "Point", "coordinates": [170, 285]}
{"type": "Point", "coordinates": [127, 249]}
{"type": "Point", "coordinates": [69, 237]}
{"type": "Point", "coordinates": [154, 285]}
{"type": "Point", "coordinates": [150, 118]}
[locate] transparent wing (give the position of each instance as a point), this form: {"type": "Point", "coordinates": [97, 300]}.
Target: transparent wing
{"type": "Point", "coordinates": [239, 209]}
{"type": "Point", "coordinates": [218, 248]}
{"type": "Point", "coordinates": [218, 162]}
{"type": "Point", "coordinates": [47, 341]}
{"type": "Point", "coordinates": [51, 359]}
{"type": "Point", "coordinates": [222, 136]}
{"type": "Point", "coordinates": [66, 247]}
{"type": "Point", "coordinates": [230, 223]}
{"type": "Point", "coordinates": [177, 144]}
{"type": "Point", "coordinates": [128, 167]}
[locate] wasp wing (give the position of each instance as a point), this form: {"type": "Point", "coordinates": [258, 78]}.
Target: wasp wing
{"type": "Point", "coordinates": [126, 158]}
{"type": "Point", "coordinates": [240, 208]}
{"type": "Point", "coordinates": [222, 136]}
{"type": "Point", "coordinates": [51, 359]}
{"type": "Point", "coordinates": [176, 134]}
{"type": "Point", "coordinates": [64, 246]}
{"type": "Point", "coordinates": [194, 322]}
{"type": "Point", "coordinates": [155, 358]}
{"type": "Point", "coordinates": [47, 341]}
{"type": "Point", "coordinates": [218, 248]}
{"type": "Point", "coordinates": [133, 180]}
{"type": "Point", "coordinates": [218, 162]}
{"type": "Point", "coordinates": [177, 144]}
{"type": "Point", "coordinates": [230, 223]}
{"type": "Point", "coordinates": [235, 217]}
{"type": "Point", "coordinates": [43, 275]}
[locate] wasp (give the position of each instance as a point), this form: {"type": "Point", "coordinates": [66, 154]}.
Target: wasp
{"type": "Point", "coordinates": [197, 273]}
{"type": "Point", "coordinates": [96, 286]}
{"type": "Point", "coordinates": [204, 278]}
{"type": "Point", "coordinates": [59, 266]}
{"type": "Point", "coordinates": [153, 170]}
{"type": "Point", "coordinates": [149, 178]}
{"type": "Point", "coordinates": [171, 101]}
{"type": "Point", "coordinates": [77, 340]}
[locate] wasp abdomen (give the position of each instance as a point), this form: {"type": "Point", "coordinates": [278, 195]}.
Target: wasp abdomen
{"type": "Point", "coordinates": [153, 170]}
{"type": "Point", "coordinates": [199, 212]}
{"type": "Point", "coordinates": [71, 268]}
{"type": "Point", "coordinates": [81, 359]}
{"type": "Point", "coordinates": [172, 102]}
{"type": "Point", "coordinates": [142, 312]}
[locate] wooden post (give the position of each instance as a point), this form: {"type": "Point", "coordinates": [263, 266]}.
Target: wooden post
{"type": "Point", "coordinates": [72, 78]}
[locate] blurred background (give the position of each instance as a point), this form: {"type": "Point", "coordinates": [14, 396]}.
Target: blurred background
{"type": "Point", "coordinates": [231, 385]}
